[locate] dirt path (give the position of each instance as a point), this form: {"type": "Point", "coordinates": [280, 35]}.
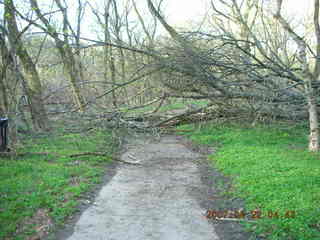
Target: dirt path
{"type": "Point", "coordinates": [166, 197]}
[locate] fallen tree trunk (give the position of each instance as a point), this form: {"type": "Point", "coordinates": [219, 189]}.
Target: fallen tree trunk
{"type": "Point", "coordinates": [188, 113]}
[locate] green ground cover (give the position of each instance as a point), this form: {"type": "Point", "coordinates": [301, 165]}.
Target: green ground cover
{"type": "Point", "coordinates": [273, 172]}
{"type": "Point", "coordinates": [51, 183]}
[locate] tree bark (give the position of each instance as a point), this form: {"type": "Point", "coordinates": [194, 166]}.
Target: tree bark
{"type": "Point", "coordinates": [308, 76]}
{"type": "Point", "coordinates": [314, 125]}
{"type": "Point", "coordinates": [65, 51]}
{"type": "Point", "coordinates": [108, 53]}
{"type": "Point", "coordinates": [34, 87]}
{"type": "Point", "coordinates": [3, 90]}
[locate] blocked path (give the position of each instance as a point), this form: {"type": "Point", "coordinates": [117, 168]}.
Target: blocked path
{"type": "Point", "coordinates": [152, 201]}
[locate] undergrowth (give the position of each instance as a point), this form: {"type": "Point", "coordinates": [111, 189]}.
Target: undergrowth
{"type": "Point", "coordinates": [273, 172]}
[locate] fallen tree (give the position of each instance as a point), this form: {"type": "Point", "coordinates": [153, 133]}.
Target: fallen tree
{"type": "Point", "coordinates": [245, 67]}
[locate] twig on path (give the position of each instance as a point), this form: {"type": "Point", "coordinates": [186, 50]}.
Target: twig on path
{"type": "Point", "coordinates": [15, 154]}
{"type": "Point", "coordinates": [132, 157]}
{"type": "Point", "coordinates": [131, 163]}
{"type": "Point", "coordinates": [101, 154]}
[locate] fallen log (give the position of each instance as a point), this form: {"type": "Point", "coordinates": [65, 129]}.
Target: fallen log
{"type": "Point", "coordinates": [185, 114]}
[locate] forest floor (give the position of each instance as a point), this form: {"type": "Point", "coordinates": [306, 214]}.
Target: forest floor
{"type": "Point", "coordinates": [153, 185]}
{"type": "Point", "coordinates": [165, 195]}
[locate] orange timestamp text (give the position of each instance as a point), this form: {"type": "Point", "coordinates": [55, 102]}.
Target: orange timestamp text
{"type": "Point", "coordinates": [254, 214]}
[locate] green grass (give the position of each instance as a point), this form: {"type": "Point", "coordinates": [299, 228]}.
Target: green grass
{"type": "Point", "coordinates": [181, 105]}
{"type": "Point", "coordinates": [272, 171]}
{"type": "Point", "coordinates": [53, 183]}
{"type": "Point", "coordinates": [173, 106]}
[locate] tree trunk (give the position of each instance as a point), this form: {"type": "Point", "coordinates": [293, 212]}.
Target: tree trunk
{"type": "Point", "coordinates": [65, 51]}
{"type": "Point", "coordinates": [10, 76]}
{"type": "Point", "coordinates": [308, 76]}
{"type": "Point", "coordinates": [3, 92]}
{"type": "Point", "coordinates": [34, 88]}
{"type": "Point", "coordinates": [74, 75]}
{"type": "Point", "coordinates": [108, 53]}
{"type": "Point", "coordinates": [314, 125]}
{"type": "Point", "coordinates": [3, 95]}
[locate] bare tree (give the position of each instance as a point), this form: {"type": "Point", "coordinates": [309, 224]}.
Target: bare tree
{"type": "Point", "coordinates": [246, 65]}
{"type": "Point", "coordinates": [108, 58]}
{"type": "Point", "coordinates": [309, 76]}
{"type": "Point", "coordinates": [65, 49]}
{"type": "Point", "coordinates": [33, 84]}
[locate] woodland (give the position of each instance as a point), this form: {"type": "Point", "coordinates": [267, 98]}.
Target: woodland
{"type": "Point", "coordinates": [77, 76]}
{"type": "Point", "coordinates": [247, 59]}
